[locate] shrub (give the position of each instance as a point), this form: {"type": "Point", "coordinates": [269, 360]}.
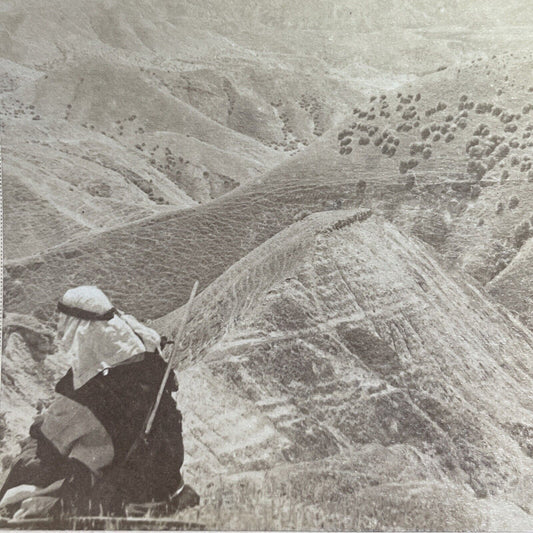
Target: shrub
{"type": "Point", "coordinates": [450, 137]}
{"type": "Point", "coordinates": [426, 153]}
{"type": "Point", "coordinates": [510, 128]}
{"type": "Point", "coordinates": [364, 140]}
{"type": "Point", "coordinates": [502, 151]}
{"type": "Point", "coordinates": [414, 148]}
{"type": "Point", "coordinates": [462, 123]}
{"type": "Point", "coordinates": [346, 141]}
{"type": "Point", "coordinates": [506, 118]}
{"type": "Point", "coordinates": [410, 182]}
{"type": "Point", "coordinates": [425, 133]}
{"type": "Point", "coordinates": [483, 107]}
{"type": "Point", "coordinates": [476, 152]}
{"type": "Point", "coordinates": [441, 106]}
{"type": "Point", "coordinates": [348, 150]}
{"type": "Point", "coordinates": [499, 208]}
{"type": "Point", "coordinates": [407, 165]}
{"type": "Point", "coordinates": [378, 140]}
{"type": "Point", "coordinates": [436, 137]}
{"type": "Point", "coordinates": [360, 187]}
{"type": "Point", "coordinates": [475, 191]}
{"type": "Point", "coordinates": [521, 233]}
{"type": "Point", "coordinates": [476, 169]}
{"type": "Point", "coordinates": [513, 202]}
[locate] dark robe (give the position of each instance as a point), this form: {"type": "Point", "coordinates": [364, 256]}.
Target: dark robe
{"type": "Point", "coordinates": [121, 399]}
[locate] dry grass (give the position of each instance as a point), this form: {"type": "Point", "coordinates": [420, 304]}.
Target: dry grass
{"type": "Point", "coordinates": [297, 504]}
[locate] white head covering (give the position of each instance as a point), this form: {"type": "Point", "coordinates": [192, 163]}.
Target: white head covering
{"type": "Point", "coordinates": [96, 336]}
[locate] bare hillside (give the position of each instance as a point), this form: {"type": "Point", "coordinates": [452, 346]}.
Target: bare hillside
{"type": "Point", "coordinates": [351, 354]}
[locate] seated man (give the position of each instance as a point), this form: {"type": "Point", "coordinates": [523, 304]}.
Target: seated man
{"type": "Point", "coordinates": [84, 455]}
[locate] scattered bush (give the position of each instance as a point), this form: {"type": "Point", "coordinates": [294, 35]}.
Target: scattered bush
{"type": "Point", "coordinates": [344, 133]}
{"type": "Point", "coordinates": [407, 165]}
{"type": "Point", "coordinates": [475, 191]}
{"type": "Point", "coordinates": [425, 133]}
{"type": "Point", "coordinates": [360, 187]}
{"type": "Point", "coordinates": [483, 107]}
{"type": "Point", "coordinates": [415, 148]}
{"type": "Point", "coordinates": [513, 202]}
{"type": "Point", "coordinates": [476, 152]}
{"type": "Point", "coordinates": [506, 118]}
{"type": "Point", "coordinates": [521, 233]}
{"type": "Point", "coordinates": [502, 151]}
{"type": "Point", "coordinates": [476, 169]}
{"type": "Point", "coordinates": [482, 130]}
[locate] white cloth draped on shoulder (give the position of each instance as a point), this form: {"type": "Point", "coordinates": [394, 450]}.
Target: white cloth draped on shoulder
{"type": "Point", "coordinates": [96, 345]}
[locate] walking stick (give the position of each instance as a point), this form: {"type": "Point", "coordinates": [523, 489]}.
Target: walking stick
{"type": "Point", "coordinates": [153, 412]}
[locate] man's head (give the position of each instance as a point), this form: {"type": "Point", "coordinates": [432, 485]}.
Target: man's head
{"type": "Point", "coordinates": [95, 336]}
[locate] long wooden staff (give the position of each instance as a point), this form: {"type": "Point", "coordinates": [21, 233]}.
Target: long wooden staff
{"type": "Point", "coordinates": [151, 417]}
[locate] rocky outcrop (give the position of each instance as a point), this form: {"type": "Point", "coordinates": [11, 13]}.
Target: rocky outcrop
{"type": "Point", "coordinates": [28, 376]}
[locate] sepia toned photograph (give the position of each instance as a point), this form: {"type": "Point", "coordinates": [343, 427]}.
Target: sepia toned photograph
{"type": "Point", "coordinates": [267, 265]}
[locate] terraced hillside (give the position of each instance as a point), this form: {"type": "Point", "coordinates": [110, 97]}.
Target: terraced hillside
{"type": "Point", "coordinates": [340, 354]}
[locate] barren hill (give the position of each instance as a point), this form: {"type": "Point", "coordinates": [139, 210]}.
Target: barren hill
{"type": "Point", "coordinates": [340, 353]}
{"type": "Point", "coordinates": [341, 369]}
{"type": "Point", "coordinates": [452, 169]}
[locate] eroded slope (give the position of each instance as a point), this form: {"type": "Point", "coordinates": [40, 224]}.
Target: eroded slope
{"type": "Point", "coordinates": [341, 344]}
